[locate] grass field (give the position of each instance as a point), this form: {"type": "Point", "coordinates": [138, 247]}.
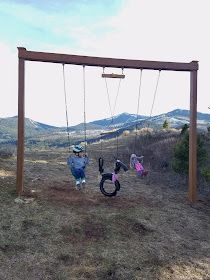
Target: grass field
{"type": "Point", "coordinates": [148, 231]}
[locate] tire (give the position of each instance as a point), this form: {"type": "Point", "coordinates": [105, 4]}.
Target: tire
{"type": "Point", "coordinates": [108, 178]}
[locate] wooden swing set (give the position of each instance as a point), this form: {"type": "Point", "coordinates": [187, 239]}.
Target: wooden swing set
{"type": "Point", "coordinates": [192, 67]}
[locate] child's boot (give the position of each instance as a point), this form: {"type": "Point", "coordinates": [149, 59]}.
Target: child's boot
{"type": "Point", "coordinates": [78, 184]}
{"type": "Point", "coordinates": [145, 173]}
{"type": "Point", "coordinates": [83, 182]}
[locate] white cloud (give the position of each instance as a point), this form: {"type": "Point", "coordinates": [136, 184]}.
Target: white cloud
{"type": "Point", "coordinates": [8, 86]}
{"type": "Point", "coordinates": [168, 31]}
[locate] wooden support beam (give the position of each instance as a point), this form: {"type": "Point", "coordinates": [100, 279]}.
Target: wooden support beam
{"type": "Point", "coordinates": [21, 132]}
{"type": "Point", "coordinates": [105, 62]}
{"type": "Point", "coordinates": [112, 75]}
{"type": "Point", "coordinates": [193, 138]}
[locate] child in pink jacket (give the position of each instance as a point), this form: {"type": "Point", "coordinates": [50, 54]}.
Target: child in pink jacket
{"type": "Point", "coordinates": [136, 163]}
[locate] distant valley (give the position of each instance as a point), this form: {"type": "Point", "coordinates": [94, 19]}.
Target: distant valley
{"type": "Point", "coordinates": [37, 133]}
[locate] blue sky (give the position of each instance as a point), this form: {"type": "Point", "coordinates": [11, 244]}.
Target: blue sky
{"type": "Point", "coordinates": [133, 29]}
{"type": "Point", "coordinates": [36, 24]}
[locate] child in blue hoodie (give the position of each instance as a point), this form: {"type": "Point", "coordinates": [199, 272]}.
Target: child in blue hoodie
{"type": "Point", "coordinates": [77, 164]}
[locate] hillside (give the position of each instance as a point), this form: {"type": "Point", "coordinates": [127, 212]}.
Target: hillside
{"type": "Point", "coordinates": [8, 126]}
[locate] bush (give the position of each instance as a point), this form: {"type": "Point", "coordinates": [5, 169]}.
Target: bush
{"type": "Point", "coordinates": [4, 154]}
{"type": "Point", "coordinates": [126, 132]}
{"type": "Point", "coordinates": [205, 172]}
{"type": "Point", "coordinates": [180, 162]}
{"type": "Point", "coordinates": [185, 128]}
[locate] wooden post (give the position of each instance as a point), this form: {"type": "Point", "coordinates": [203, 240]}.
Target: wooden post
{"type": "Point", "coordinates": [193, 138]}
{"type": "Point", "coordinates": [21, 115]}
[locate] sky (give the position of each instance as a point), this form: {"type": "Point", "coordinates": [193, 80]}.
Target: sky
{"type": "Point", "coordinates": [154, 30]}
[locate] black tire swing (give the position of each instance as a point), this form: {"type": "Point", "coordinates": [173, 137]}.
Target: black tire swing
{"type": "Point", "coordinates": [110, 180]}
{"type": "Point", "coordinates": [109, 184]}
{"type": "Point", "coordinates": [107, 177]}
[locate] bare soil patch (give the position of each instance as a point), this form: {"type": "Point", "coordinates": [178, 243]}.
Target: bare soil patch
{"type": "Point", "coordinates": [148, 231]}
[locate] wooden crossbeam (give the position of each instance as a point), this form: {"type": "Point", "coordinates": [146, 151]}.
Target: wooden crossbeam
{"type": "Point", "coordinates": [105, 61]}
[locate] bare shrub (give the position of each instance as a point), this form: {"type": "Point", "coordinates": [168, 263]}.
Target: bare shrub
{"type": "Point", "coordinates": [6, 153]}
{"type": "Point", "coordinates": [156, 146]}
{"type": "Point", "coordinates": [126, 132]}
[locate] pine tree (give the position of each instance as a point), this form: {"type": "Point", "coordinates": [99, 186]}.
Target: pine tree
{"type": "Point", "coordinates": [184, 128]}
{"type": "Point", "coordinates": [166, 124]}
{"type": "Point", "coordinates": [181, 154]}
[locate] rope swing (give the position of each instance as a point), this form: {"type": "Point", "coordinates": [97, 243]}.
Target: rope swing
{"type": "Point", "coordinates": [112, 112]}
{"type": "Point", "coordinates": [154, 97]}
{"type": "Point", "coordinates": [138, 104]}
{"type": "Point", "coordinates": [66, 108]}
{"type": "Point", "coordinates": [120, 77]}
{"type": "Point", "coordinates": [84, 106]}
{"type": "Point", "coordinates": [155, 93]}
{"type": "Point", "coordinates": [137, 112]}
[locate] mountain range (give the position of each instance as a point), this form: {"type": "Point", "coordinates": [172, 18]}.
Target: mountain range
{"type": "Point", "coordinates": [125, 121]}
{"type": "Point", "coordinates": [176, 118]}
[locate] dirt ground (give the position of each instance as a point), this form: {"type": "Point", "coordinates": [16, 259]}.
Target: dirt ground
{"type": "Point", "coordinates": [55, 232]}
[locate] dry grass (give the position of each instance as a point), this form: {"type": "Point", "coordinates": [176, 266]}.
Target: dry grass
{"type": "Point", "coordinates": [148, 231]}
